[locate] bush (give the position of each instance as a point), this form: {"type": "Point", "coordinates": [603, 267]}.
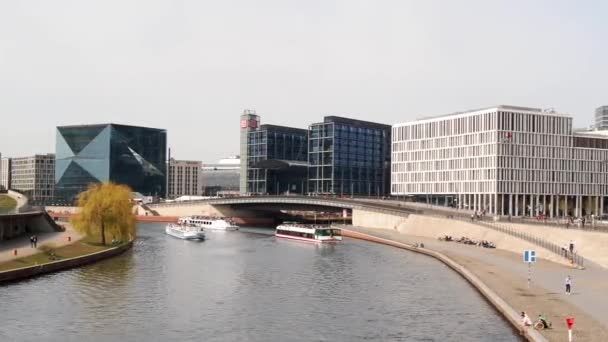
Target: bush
{"type": "Point", "coordinates": [48, 249]}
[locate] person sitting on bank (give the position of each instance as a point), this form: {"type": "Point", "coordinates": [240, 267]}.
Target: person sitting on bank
{"type": "Point", "coordinates": [525, 320]}
{"type": "Point", "coordinates": [544, 321]}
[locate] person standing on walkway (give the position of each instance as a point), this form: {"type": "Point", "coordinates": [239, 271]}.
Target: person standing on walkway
{"type": "Point", "coordinates": [571, 247]}
{"type": "Point", "coordinates": [32, 241]}
{"type": "Point", "coordinates": [35, 241]}
{"type": "Point", "coordinates": [568, 285]}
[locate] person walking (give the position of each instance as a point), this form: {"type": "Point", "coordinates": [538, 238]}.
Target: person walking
{"type": "Point", "coordinates": [35, 241]}
{"type": "Point", "coordinates": [32, 241]}
{"type": "Point", "coordinates": [568, 285]}
{"type": "Point", "coordinates": [571, 247]}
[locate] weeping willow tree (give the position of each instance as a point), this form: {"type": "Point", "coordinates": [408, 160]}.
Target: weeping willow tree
{"type": "Point", "coordinates": [106, 211]}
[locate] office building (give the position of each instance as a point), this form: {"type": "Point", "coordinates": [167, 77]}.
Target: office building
{"type": "Point", "coordinates": [129, 155]}
{"type": "Point", "coordinates": [601, 118]}
{"type": "Point", "coordinates": [184, 178]}
{"type": "Point", "coordinates": [250, 121]}
{"type": "Point", "coordinates": [349, 157]}
{"type": "Point", "coordinates": [273, 158]}
{"type": "Point", "coordinates": [222, 177]}
{"type": "Point", "coordinates": [5, 173]}
{"type": "Point", "coordinates": [34, 177]}
{"type": "Point", "coordinates": [505, 160]}
{"type": "Point", "coordinates": [276, 160]}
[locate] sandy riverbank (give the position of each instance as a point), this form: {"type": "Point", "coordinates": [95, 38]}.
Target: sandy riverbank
{"type": "Point", "coordinates": [493, 267]}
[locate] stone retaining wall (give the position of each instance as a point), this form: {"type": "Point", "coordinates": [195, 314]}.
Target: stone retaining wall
{"type": "Point", "coordinates": [503, 307]}
{"type": "Point", "coordinates": [54, 266]}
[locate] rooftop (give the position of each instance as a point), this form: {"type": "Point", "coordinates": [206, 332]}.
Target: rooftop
{"type": "Point", "coordinates": [545, 111]}
{"type": "Point", "coordinates": [507, 107]}
{"type": "Point", "coordinates": [283, 128]}
{"type": "Point", "coordinates": [352, 122]}
{"type": "Point", "coordinates": [109, 124]}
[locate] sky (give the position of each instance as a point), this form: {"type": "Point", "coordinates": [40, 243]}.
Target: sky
{"type": "Point", "coordinates": [192, 67]}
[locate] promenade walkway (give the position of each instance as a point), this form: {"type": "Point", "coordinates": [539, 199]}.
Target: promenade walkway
{"type": "Point", "coordinates": [506, 274]}
{"type": "Point", "coordinates": [22, 244]}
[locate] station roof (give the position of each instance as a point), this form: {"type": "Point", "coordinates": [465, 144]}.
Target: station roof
{"type": "Point", "coordinates": [276, 164]}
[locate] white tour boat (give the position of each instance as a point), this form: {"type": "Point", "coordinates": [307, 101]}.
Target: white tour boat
{"type": "Point", "coordinates": [209, 222]}
{"type": "Point", "coordinates": [185, 232]}
{"type": "Point", "coordinates": [308, 232]}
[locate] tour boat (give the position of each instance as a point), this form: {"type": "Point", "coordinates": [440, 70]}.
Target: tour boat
{"type": "Point", "coordinates": [209, 222]}
{"type": "Point", "coordinates": [185, 232]}
{"type": "Point", "coordinates": [307, 232]}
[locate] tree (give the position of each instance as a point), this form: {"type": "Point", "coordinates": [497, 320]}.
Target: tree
{"type": "Point", "coordinates": [106, 210]}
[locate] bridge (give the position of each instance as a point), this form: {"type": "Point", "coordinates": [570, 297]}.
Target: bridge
{"type": "Point", "coordinates": [365, 212]}
{"type": "Point", "coordinates": [261, 209]}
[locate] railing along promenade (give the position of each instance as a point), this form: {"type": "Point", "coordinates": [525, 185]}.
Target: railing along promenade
{"type": "Point", "coordinates": [497, 225]}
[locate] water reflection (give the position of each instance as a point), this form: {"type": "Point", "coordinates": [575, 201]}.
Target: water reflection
{"type": "Point", "coordinates": [248, 285]}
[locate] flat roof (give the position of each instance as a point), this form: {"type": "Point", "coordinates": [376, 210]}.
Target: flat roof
{"type": "Point", "coordinates": [283, 128]}
{"type": "Point", "coordinates": [110, 124]}
{"type": "Point", "coordinates": [531, 110]}
{"type": "Point", "coordinates": [352, 122]}
{"type": "Point", "coordinates": [591, 134]}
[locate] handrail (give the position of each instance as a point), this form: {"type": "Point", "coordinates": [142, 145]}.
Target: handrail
{"type": "Point", "coordinates": [573, 258]}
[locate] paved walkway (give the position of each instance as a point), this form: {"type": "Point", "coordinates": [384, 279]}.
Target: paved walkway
{"type": "Point", "coordinates": [22, 244]}
{"type": "Point", "coordinates": [590, 286]}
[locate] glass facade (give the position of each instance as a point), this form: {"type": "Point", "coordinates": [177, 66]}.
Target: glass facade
{"type": "Point", "coordinates": [134, 156]}
{"type": "Point", "coordinates": [279, 143]}
{"type": "Point", "coordinates": [349, 157]}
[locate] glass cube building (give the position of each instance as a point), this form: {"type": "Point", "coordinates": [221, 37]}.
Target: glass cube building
{"type": "Point", "coordinates": [276, 160]}
{"type": "Point", "coordinates": [129, 155]}
{"type": "Point", "coordinates": [349, 157]}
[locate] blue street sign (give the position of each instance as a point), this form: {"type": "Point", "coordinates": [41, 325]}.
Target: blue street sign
{"type": "Point", "coordinates": [529, 256]}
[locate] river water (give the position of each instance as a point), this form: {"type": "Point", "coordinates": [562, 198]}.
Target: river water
{"type": "Point", "coordinates": [249, 286]}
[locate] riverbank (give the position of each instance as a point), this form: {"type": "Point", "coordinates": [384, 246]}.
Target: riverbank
{"type": "Point", "coordinates": [500, 272]}
{"type": "Point", "coordinates": [73, 255]}
{"type": "Point", "coordinates": [7, 204]}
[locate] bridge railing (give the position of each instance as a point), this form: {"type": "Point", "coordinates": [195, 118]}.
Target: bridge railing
{"type": "Point", "coordinates": [304, 200]}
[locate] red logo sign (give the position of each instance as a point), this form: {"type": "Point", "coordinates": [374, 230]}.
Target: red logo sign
{"type": "Point", "coordinates": [249, 123]}
{"type": "Point", "coordinates": [570, 322]}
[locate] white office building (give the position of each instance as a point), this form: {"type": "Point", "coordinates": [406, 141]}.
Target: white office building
{"type": "Point", "coordinates": [184, 178]}
{"type": "Point", "coordinates": [601, 118]}
{"type": "Point", "coordinates": [5, 173]}
{"type": "Point", "coordinates": [34, 176]}
{"type": "Point", "coordinates": [506, 160]}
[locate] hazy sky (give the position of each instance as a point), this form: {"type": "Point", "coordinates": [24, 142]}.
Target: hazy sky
{"type": "Point", "coordinates": [193, 66]}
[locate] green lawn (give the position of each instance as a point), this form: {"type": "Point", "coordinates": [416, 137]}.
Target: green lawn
{"type": "Point", "coordinates": [7, 204]}
{"type": "Point", "coordinates": [78, 248]}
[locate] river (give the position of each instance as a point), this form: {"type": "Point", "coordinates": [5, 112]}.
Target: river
{"type": "Point", "coordinates": [249, 286]}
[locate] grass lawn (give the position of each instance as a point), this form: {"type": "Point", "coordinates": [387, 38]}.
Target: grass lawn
{"type": "Point", "coordinates": [7, 204]}
{"type": "Point", "coordinates": [78, 248]}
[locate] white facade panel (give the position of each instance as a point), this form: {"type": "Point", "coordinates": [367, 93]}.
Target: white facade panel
{"type": "Point", "coordinates": [501, 159]}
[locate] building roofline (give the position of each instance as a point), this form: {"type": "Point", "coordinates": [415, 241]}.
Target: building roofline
{"type": "Point", "coordinates": [353, 122]}
{"type": "Point", "coordinates": [111, 124]}
{"type": "Point", "coordinates": [530, 110]}
{"type": "Point", "coordinates": [287, 128]}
